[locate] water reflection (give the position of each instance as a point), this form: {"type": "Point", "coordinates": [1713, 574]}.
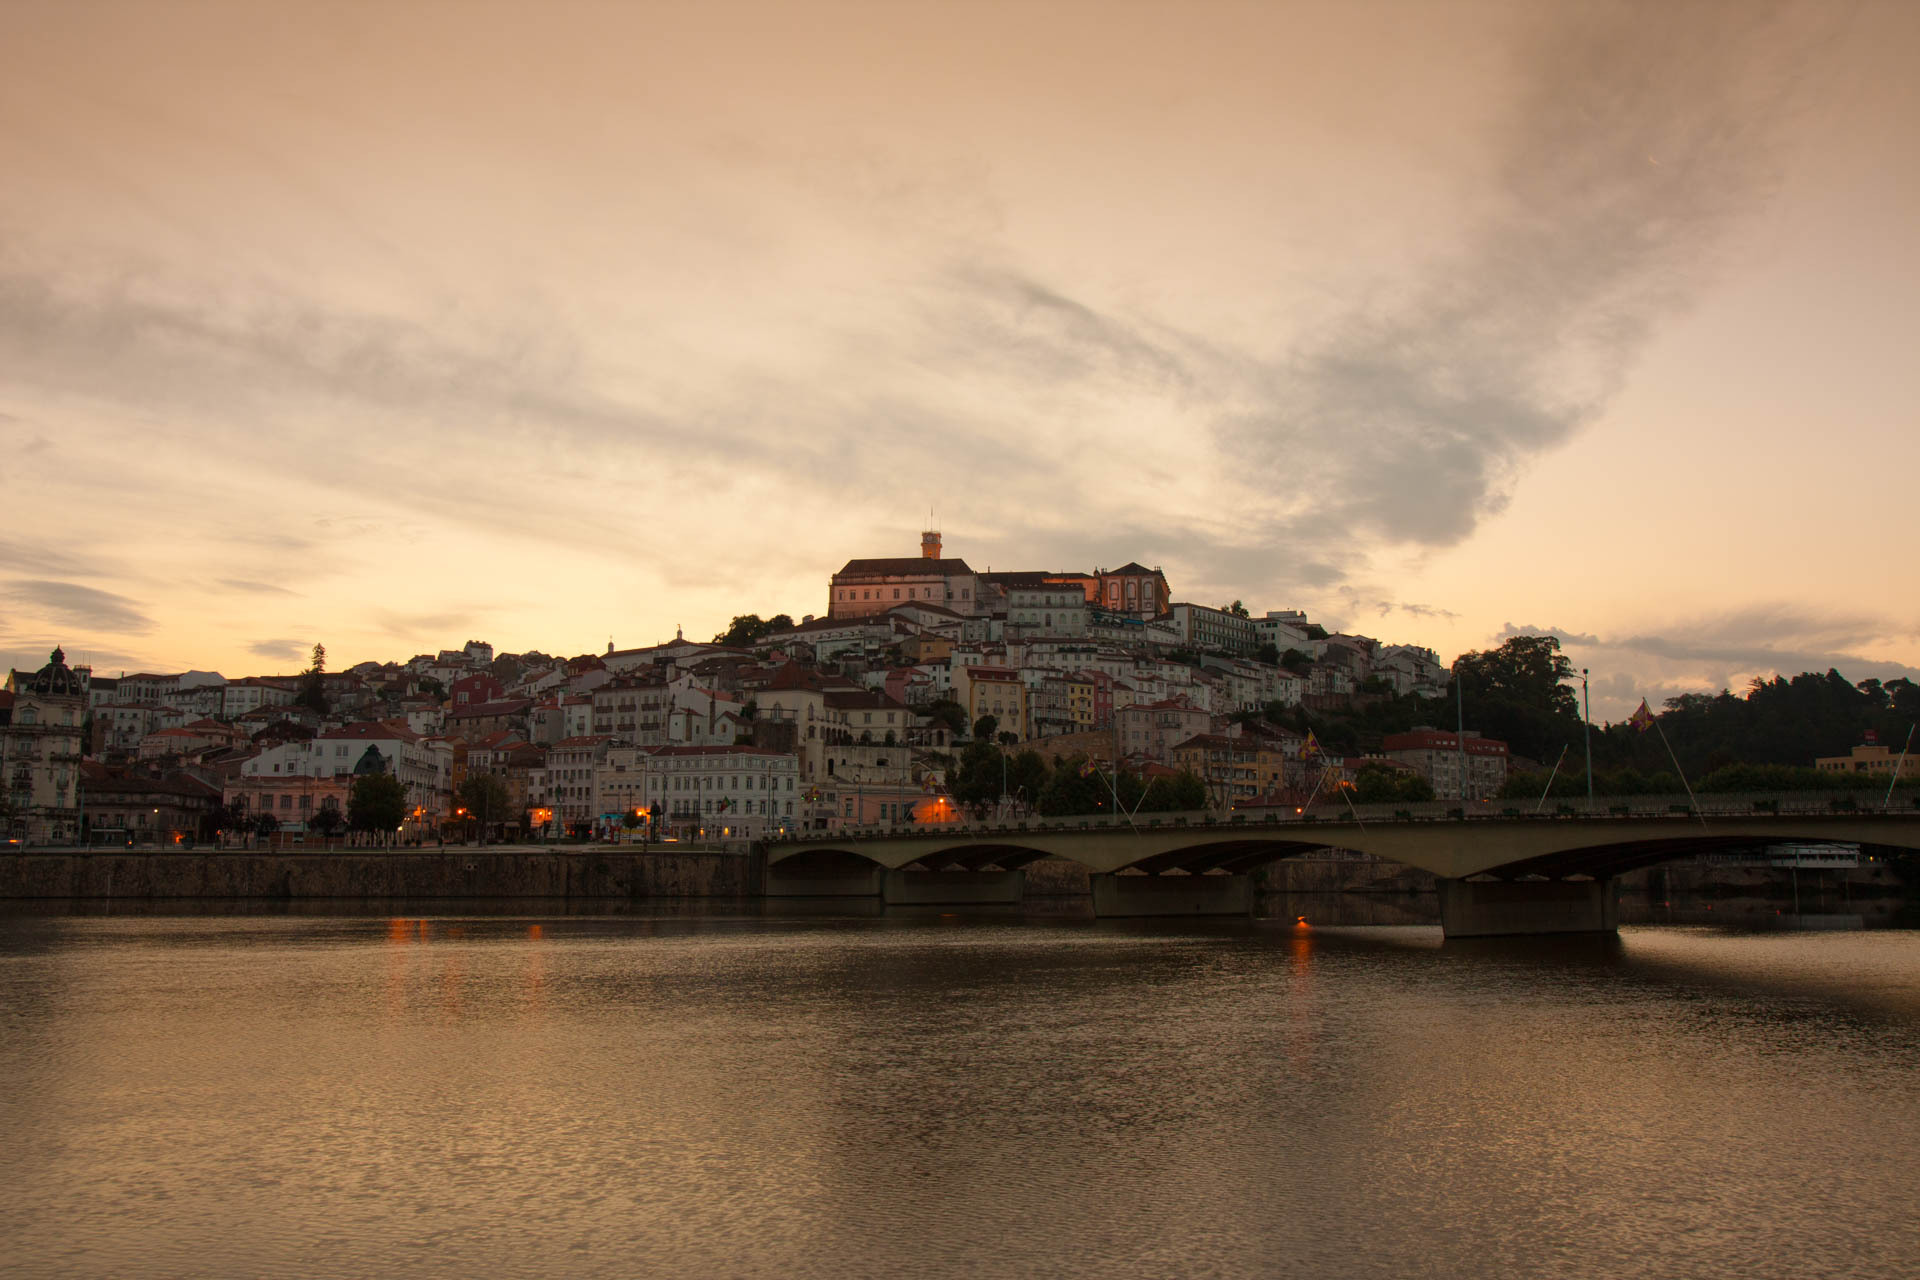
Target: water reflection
{"type": "Point", "coordinates": [951, 1092]}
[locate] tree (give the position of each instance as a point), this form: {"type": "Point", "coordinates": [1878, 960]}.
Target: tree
{"type": "Point", "coordinates": [1268, 652]}
{"type": "Point", "coordinates": [1176, 794]}
{"type": "Point", "coordinates": [1076, 786]}
{"type": "Point", "coordinates": [1382, 783]}
{"type": "Point", "coordinates": [950, 713]}
{"type": "Point", "coordinates": [1238, 610]}
{"type": "Point", "coordinates": [327, 821]}
{"type": "Point", "coordinates": [485, 797]}
{"type": "Point", "coordinates": [1296, 660]}
{"type": "Point", "coordinates": [749, 627]}
{"type": "Point", "coordinates": [984, 727]}
{"type": "Point", "coordinates": [1516, 693]}
{"type": "Point", "coordinates": [265, 824]}
{"type": "Point", "coordinates": [378, 802]}
{"type": "Point", "coordinates": [1529, 669]}
{"type": "Point", "coordinates": [977, 781]}
{"type": "Point", "coordinates": [313, 683]}
{"type": "Point", "coordinates": [217, 818]}
{"type": "Point", "coordinates": [1027, 775]}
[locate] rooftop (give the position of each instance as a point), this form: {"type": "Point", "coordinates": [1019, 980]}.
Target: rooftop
{"type": "Point", "coordinates": [905, 566]}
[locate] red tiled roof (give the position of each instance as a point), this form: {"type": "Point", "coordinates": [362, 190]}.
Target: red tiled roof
{"type": "Point", "coordinates": [792, 675]}
{"type": "Point", "coordinates": [865, 699]}
{"type": "Point", "coordinates": [370, 730]}
{"type": "Point", "coordinates": [904, 566]}
{"type": "Point", "coordinates": [476, 710]}
{"type": "Point", "coordinates": [925, 605]}
{"type": "Point", "coordinates": [716, 750]}
{"type": "Point", "coordinates": [174, 784]}
{"type": "Point", "coordinates": [1438, 740]}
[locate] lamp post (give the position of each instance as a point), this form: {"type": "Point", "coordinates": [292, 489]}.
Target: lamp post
{"type": "Point", "coordinates": [1586, 726]}
{"type": "Point", "coordinates": [1460, 733]}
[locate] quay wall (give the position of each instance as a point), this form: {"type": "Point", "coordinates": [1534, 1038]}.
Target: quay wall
{"type": "Point", "coordinates": [381, 874]}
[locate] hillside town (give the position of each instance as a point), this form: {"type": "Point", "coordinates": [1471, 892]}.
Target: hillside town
{"type": "Point", "coordinates": [852, 717]}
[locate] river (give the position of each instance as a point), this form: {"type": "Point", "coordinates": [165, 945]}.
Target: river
{"type": "Point", "coordinates": [949, 1094]}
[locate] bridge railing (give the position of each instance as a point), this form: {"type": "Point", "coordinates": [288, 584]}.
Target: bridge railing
{"type": "Point", "coordinates": [1729, 805]}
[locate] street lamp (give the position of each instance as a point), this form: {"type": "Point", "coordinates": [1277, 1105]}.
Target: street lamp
{"type": "Point", "coordinates": [1586, 726]}
{"type": "Point", "coordinates": [1460, 735]}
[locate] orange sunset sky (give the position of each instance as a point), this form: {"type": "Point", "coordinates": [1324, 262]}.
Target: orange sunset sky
{"type": "Point", "coordinates": [394, 325]}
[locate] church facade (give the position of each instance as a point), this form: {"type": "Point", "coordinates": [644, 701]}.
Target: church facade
{"type": "Point", "coordinates": [41, 727]}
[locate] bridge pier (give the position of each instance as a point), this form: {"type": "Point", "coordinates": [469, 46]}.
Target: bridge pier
{"type": "Point", "coordinates": [1497, 908]}
{"type": "Point", "coordinates": [1124, 895]}
{"type": "Point", "coordinates": [814, 883]}
{"type": "Point", "coordinates": [950, 888]}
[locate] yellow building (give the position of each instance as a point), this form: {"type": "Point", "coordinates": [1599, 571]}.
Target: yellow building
{"type": "Point", "coordinates": [1080, 690]}
{"type": "Point", "coordinates": [1873, 759]}
{"type": "Point", "coordinates": [996, 692]}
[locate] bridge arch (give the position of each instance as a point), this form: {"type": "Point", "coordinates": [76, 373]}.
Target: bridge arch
{"type": "Point", "coordinates": [1584, 847]}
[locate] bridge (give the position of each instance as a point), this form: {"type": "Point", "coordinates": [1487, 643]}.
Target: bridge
{"type": "Point", "coordinates": [1499, 871]}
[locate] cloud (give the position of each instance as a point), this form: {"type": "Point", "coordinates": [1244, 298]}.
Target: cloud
{"type": "Point", "coordinates": [47, 558]}
{"type": "Point", "coordinates": [1362, 602]}
{"type": "Point", "coordinates": [103, 661]}
{"type": "Point", "coordinates": [255, 588]}
{"type": "Point", "coordinates": [1566, 634]}
{"type": "Point", "coordinates": [1721, 651]}
{"type": "Point", "coordinates": [399, 624]}
{"type": "Point", "coordinates": [1033, 330]}
{"type": "Point", "coordinates": [279, 650]}
{"type": "Point", "coordinates": [1638, 138]}
{"type": "Point", "coordinates": [70, 604]}
{"type": "Point", "coordinates": [157, 337]}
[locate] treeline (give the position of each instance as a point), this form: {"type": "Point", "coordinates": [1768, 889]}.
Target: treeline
{"type": "Point", "coordinates": [1729, 779]}
{"type": "Point", "coordinates": [986, 770]}
{"type": "Point", "coordinates": [1776, 722]}
{"type": "Point", "coordinates": [1515, 693]}
{"type": "Point", "coordinates": [1520, 694]}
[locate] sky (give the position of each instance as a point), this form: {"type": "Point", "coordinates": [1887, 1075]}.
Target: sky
{"type": "Point", "coordinates": [390, 326]}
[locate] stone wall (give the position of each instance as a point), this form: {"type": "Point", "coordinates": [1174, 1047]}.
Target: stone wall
{"type": "Point", "coordinates": [374, 874]}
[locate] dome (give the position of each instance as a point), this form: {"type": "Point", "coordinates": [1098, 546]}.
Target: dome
{"type": "Point", "coordinates": [56, 679]}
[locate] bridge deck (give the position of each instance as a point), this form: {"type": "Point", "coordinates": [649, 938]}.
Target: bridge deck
{"type": "Point", "coordinates": [1620, 836]}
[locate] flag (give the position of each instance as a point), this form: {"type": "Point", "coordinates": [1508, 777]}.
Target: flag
{"type": "Point", "coordinates": [1641, 719]}
{"type": "Point", "coordinates": [1086, 768]}
{"type": "Point", "coordinates": [1312, 747]}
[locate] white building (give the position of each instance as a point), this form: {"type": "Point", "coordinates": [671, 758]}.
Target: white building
{"type": "Point", "coordinates": [1050, 609]}
{"type": "Point", "coordinates": [237, 697]}
{"type": "Point", "coordinates": [741, 793]}
{"type": "Point", "coordinates": [1284, 629]}
{"type": "Point", "coordinates": [423, 766]}
{"type": "Point", "coordinates": [1203, 627]}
